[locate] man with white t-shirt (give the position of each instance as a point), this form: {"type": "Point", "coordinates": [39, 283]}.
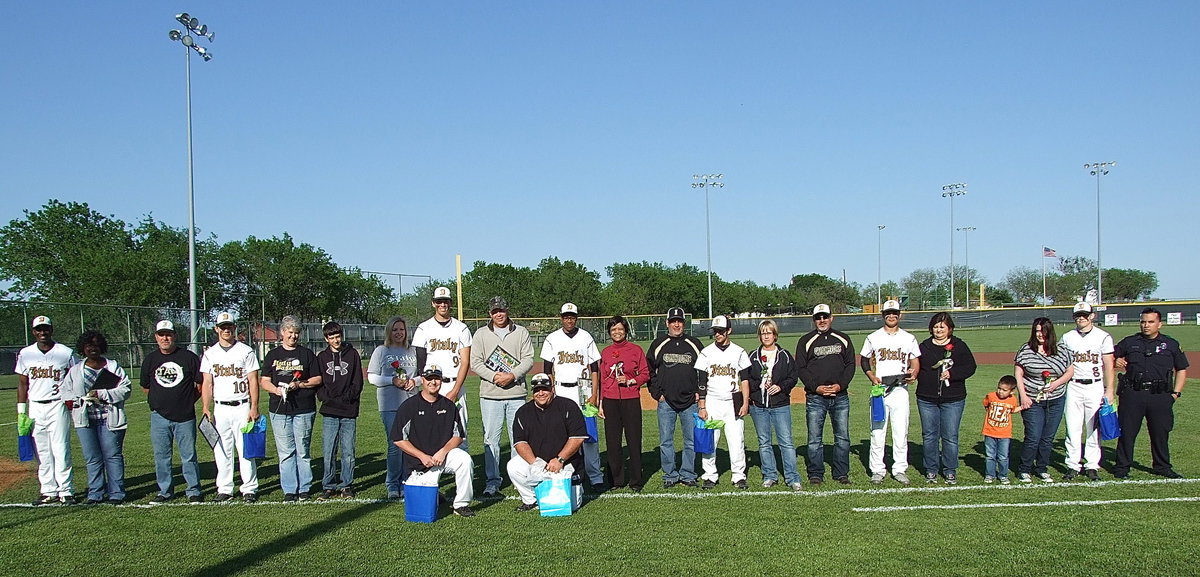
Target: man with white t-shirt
{"type": "Point", "coordinates": [443, 343]}
{"type": "Point", "coordinates": [571, 358]}
{"type": "Point", "coordinates": [1093, 361]}
{"type": "Point", "coordinates": [890, 358]}
{"type": "Point", "coordinates": [230, 372]}
{"type": "Point", "coordinates": [725, 396]}
{"type": "Point", "coordinates": [41, 368]}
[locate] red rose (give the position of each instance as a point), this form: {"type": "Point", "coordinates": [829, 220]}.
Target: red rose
{"type": "Point", "coordinates": [396, 365]}
{"type": "Point", "coordinates": [1045, 374]}
{"type": "Point", "coordinates": [949, 347]}
{"type": "Point", "coordinates": [764, 358]}
{"type": "Point", "coordinates": [297, 375]}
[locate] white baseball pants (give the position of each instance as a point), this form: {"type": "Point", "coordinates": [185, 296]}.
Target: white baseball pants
{"type": "Point", "coordinates": [458, 463]}
{"type": "Point", "coordinates": [52, 436]}
{"type": "Point", "coordinates": [735, 440]}
{"type": "Point", "coordinates": [1083, 407]}
{"type": "Point", "coordinates": [896, 409]}
{"type": "Point", "coordinates": [229, 422]}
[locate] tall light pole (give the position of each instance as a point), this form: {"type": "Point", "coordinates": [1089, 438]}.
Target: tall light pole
{"type": "Point", "coordinates": [879, 266]}
{"type": "Point", "coordinates": [191, 25]}
{"type": "Point", "coordinates": [1098, 169]}
{"type": "Point", "coordinates": [950, 191]}
{"type": "Point", "coordinates": [966, 230]}
{"type": "Point", "coordinates": [707, 181]}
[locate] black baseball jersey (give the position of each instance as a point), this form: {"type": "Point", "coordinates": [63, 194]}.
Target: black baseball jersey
{"type": "Point", "coordinates": [547, 430]}
{"type": "Point", "coordinates": [428, 426]}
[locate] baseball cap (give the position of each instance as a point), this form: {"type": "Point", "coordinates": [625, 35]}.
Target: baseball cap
{"type": "Point", "coordinates": [821, 309]}
{"type": "Point", "coordinates": [432, 373]}
{"type": "Point", "coordinates": [225, 319]}
{"type": "Point", "coordinates": [498, 304]}
{"type": "Point", "coordinates": [1081, 308]}
{"type": "Point", "coordinates": [164, 326]}
{"type": "Point", "coordinates": [41, 320]}
{"type": "Point", "coordinates": [540, 381]}
{"type": "Point", "coordinates": [720, 322]}
{"type": "Point", "coordinates": [676, 313]}
{"type": "Point", "coordinates": [890, 305]}
{"type": "Point", "coordinates": [441, 294]}
{"type": "Point", "coordinates": [569, 309]}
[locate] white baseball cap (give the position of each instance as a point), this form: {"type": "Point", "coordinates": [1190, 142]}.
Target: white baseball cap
{"type": "Point", "coordinates": [1084, 308]}
{"type": "Point", "coordinates": [225, 319]}
{"type": "Point", "coordinates": [41, 320]}
{"type": "Point", "coordinates": [720, 322]}
{"type": "Point", "coordinates": [821, 309]}
{"type": "Point", "coordinates": [540, 381]}
{"type": "Point", "coordinates": [164, 326]}
{"type": "Point", "coordinates": [441, 294]}
{"type": "Point", "coordinates": [569, 309]}
{"type": "Point", "coordinates": [890, 305]}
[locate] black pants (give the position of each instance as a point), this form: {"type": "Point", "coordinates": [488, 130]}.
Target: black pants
{"type": "Point", "coordinates": [1156, 408]}
{"type": "Point", "coordinates": [623, 416]}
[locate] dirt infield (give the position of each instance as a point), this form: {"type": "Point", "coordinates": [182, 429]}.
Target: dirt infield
{"type": "Point", "coordinates": [12, 472]}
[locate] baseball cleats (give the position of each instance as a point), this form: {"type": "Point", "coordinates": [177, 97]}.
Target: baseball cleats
{"type": "Point", "coordinates": [901, 477]}
{"type": "Point", "coordinates": [877, 478]}
{"type": "Point", "coordinates": [250, 497]}
{"type": "Point", "coordinates": [1091, 475]}
{"type": "Point", "coordinates": [67, 500]}
{"type": "Point", "coordinates": [222, 498]}
{"type": "Point", "coordinates": [1070, 476]}
{"type": "Point", "coordinates": [739, 484]}
{"type": "Point", "coordinates": [46, 500]}
{"type": "Point", "coordinates": [708, 484]}
{"type": "Point", "coordinates": [464, 511]}
{"type": "Point", "coordinates": [526, 507]}
{"type": "Point", "coordinates": [1046, 478]}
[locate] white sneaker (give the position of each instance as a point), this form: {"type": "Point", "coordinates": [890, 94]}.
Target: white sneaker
{"type": "Point", "coordinates": [989, 479]}
{"type": "Point", "coordinates": [877, 478]}
{"type": "Point", "coordinates": [901, 477]}
{"type": "Point", "coordinates": [1046, 478]}
{"type": "Point", "coordinates": [1025, 478]}
{"type": "Point", "coordinates": [769, 483]}
{"type": "Point", "coordinates": [1005, 481]}
{"type": "Point", "coordinates": [797, 486]}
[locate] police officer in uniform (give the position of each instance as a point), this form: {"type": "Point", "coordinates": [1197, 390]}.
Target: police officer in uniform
{"type": "Point", "coordinates": [1148, 389]}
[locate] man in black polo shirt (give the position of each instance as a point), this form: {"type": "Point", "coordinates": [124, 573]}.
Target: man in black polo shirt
{"type": "Point", "coordinates": [675, 385]}
{"type": "Point", "coordinates": [171, 380]}
{"type": "Point", "coordinates": [1148, 390]}
{"type": "Point", "coordinates": [428, 429]}
{"type": "Point", "coordinates": [547, 435]}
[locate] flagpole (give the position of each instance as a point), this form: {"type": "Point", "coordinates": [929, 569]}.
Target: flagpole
{"type": "Point", "coordinates": [1044, 299]}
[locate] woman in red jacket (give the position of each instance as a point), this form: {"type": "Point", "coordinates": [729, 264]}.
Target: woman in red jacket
{"type": "Point", "coordinates": [623, 371]}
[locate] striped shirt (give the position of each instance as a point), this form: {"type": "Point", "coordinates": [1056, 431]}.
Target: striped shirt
{"type": "Point", "coordinates": [1034, 364]}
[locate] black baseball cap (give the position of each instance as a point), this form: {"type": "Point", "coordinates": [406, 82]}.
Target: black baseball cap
{"type": "Point", "coordinates": [676, 313]}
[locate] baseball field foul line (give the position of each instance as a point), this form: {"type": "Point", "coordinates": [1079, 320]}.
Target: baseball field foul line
{"type": "Point", "coordinates": [1007, 505]}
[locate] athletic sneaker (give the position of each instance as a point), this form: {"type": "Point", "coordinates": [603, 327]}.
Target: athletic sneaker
{"type": "Point", "coordinates": [1046, 478]}
{"type": "Point", "coordinates": [491, 491]}
{"type": "Point", "coordinates": [196, 499]}
{"type": "Point", "coordinates": [797, 486]}
{"type": "Point", "coordinates": [688, 483]}
{"type": "Point", "coordinates": [526, 507]}
{"type": "Point", "coordinates": [877, 478]}
{"type": "Point", "coordinates": [160, 499]}
{"type": "Point", "coordinates": [222, 497]}
{"type": "Point", "coordinates": [46, 500]}
{"type": "Point", "coordinates": [951, 479]}
{"type": "Point", "coordinates": [931, 477]}
{"type": "Point", "coordinates": [708, 484]}
{"type": "Point", "coordinates": [67, 499]}
{"type": "Point", "coordinates": [901, 477]}
{"type": "Point", "coordinates": [303, 496]}
{"type": "Point", "coordinates": [289, 498]}
{"type": "Point", "coordinates": [464, 511]}
{"type": "Point", "coordinates": [989, 479]}
{"type": "Point", "coordinates": [328, 494]}
{"type": "Point", "coordinates": [394, 496]}
{"type": "Point", "coordinates": [250, 497]}
{"type": "Point", "coordinates": [669, 484]}
{"type": "Point", "coordinates": [1004, 481]}
{"type": "Point", "coordinates": [767, 484]}
{"type": "Point", "coordinates": [739, 484]}
{"type": "Point", "coordinates": [1070, 476]}
{"type": "Point", "coordinates": [1091, 475]}
{"type": "Point", "coordinates": [1025, 478]}
{"type": "Point", "coordinates": [348, 493]}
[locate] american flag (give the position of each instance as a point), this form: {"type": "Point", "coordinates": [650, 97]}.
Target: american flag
{"type": "Point", "coordinates": [1048, 252]}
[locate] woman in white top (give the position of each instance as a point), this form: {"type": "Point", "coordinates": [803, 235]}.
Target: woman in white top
{"type": "Point", "coordinates": [391, 370]}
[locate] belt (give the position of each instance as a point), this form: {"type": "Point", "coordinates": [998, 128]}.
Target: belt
{"type": "Point", "coordinates": [575, 384]}
{"type": "Point", "coordinates": [233, 403]}
{"type": "Point", "coordinates": [46, 401]}
{"type": "Point", "coordinates": [1085, 381]}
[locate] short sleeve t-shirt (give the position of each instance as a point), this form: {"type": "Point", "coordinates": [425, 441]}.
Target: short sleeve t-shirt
{"type": "Point", "coordinates": [171, 380]}
{"type": "Point", "coordinates": [997, 419]}
{"type": "Point", "coordinates": [45, 370]}
{"type": "Point", "coordinates": [890, 351]}
{"type": "Point", "coordinates": [724, 368]}
{"type": "Point", "coordinates": [281, 366]}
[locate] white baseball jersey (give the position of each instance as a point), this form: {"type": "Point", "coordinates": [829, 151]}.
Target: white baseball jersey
{"type": "Point", "coordinates": [443, 346]}
{"type": "Point", "coordinates": [45, 371]}
{"type": "Point", "coordinates": [891, 352]}
{"type": "Point", "coordinates": [723, 368]}
{"type": "Point", "coordinates": [571, 356]}
{"type": "Point", "coordinates": [1088, 352]}
{"type": "Point", "coordinates": [230, 371]}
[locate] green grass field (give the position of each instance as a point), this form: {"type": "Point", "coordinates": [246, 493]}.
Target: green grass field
{"type": "Point", "coordinates": [1063, 528]}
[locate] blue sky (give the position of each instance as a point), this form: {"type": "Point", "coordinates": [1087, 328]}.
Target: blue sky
{"type": "Point", "coordinates": [395, 135]}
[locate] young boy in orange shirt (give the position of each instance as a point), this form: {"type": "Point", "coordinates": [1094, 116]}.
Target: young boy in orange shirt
{"type": "Point", "coordinates": [999, 407]}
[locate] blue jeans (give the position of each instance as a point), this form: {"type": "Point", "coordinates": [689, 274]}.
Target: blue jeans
{"type": "Point", "coordinates": [293, 439]}
{"type": "Point", "coordinates": [779, 421]}
{"type": "Point", "coordinates": [666, 442]}
{"type": "Point", "coordinates": [162, 432]}
{"type": "Point", "coordinates": [338, 436]}
{"type": "Point", "coordinates": [395, 457]}
{"type": "Point", "coordinates": [1041, 424]}
{"type": "Point", "coordinates": [940, 422]}
{"type": "Point", "coordinates": [838, 409]}
{"type": "Point", "coordinates": [495, 413]}
{"type": "Point", "coordinates": [102, 452]}
{"type": "Point", "coordinates": [997, 456]}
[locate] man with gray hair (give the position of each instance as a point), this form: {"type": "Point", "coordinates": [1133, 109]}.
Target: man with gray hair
{"type": "Point", "coordinates": [290, 376]}
{"type": "Point", "coordinates": [501, 354]}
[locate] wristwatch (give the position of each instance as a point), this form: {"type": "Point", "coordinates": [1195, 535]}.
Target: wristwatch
{"type": "Point", "coordinates": [1177, 394]}
{"type": "Point", "coordinates": [560, 460]}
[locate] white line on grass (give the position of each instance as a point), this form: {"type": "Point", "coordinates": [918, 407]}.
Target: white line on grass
{"type": "Point", "coordinates": [181, 501]}
{"type": "Point", "coordinates": [1040, 504]}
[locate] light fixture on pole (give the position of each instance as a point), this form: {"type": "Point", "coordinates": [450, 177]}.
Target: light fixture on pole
{"type": "Point", "coordinates": [707, 181]}
{"type": "Point", "coordinates": [1098, 169]}
{"type": "Point", "coordinates": [191, 26]}
{"type": "Point", "coordinates": [879, 267]}
{"type": "Point", "coordinates": [950, 191]}
{"type": "Point", "coordinates": [966, 230]}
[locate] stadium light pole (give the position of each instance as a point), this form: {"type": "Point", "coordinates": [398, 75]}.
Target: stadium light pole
{"type": "Point", "coordinates": [1098, 169]}
{"type": "Point", "coordinates": [950, 191]}
{"type": "Point", "coordinates": [879, 266]}
{"type": "Point", "coordinates": [966, 230]}
{"type": "Point", "coordinates": [191, 25]}
{"type": "Point", "coordinates": [707, 181]}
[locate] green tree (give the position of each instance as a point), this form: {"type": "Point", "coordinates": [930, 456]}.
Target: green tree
{"type": "Point", "coordinates": [643, 288]}
{"type": "Point", "coordinates": [1023, 283]}
{"type": "Point", "coordinates": [557, 282]}
{"type": "Point", "coordinates": [1124, 284]}
{"type": "Point", "coordinates": [486, 280]}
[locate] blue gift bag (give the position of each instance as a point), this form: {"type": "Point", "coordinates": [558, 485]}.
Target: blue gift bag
{"type": "Point", "coordinates": [704, 440]}
{"type": "Point", "coordinates": [420, 504]}
{"type": "Point", "coordinates": [25, 448]}
{"type": "Point", "coordinates": [592, 430]}
{"type": "Point", "coordinates": [878, 413]}
{"type": "Point", "coordinates": [554, 497]}
{"type": "Point", "coordinates": [254, 443]}
{"type": "Point", "coordinates": [1110, 426]}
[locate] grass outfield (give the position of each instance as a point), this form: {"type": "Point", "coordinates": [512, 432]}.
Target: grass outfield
{"type": "Point", "coordinates": [1063, 528]}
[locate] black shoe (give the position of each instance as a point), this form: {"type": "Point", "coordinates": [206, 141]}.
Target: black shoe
{"type": "Point", "coordinates": [739, 484]}
{"type": "Point", "coordinates": [327, 494]}
{"type": "Point", "coordinates": [161, 499]}
{"type": "Point", "coordinates": [288, 498]}
{"type": "Point", "coordinates": [250, 497]}
{"type": "Point", "coordinates": [816, 480]}
{"type": "Point", "coordinates": [222, 497]}
{"type": "Point", "coordinates": [46, 500]}
{"type": "Point", "coordinates": [669, 484]}
{"type": "Point", "coordinates": [635, 488]}
{"type": "Point", "coordinates": [303, 496]}
{"type": "Point", "coordinates": [708, 484]}
{"type": "Point", "coordinates": [464, 511]}
{"type": "Point", "coordinates": [196, 499]}
{"type": "Point", "coordinates": [688, 483]}
{"type": "Point", "coordinates": [348, 493]}
{"type": "Point", "coordinates": [600, 487]}
{"type": "Point", "coordinates": [67, 500]}
{"type": "Point", "coordinates": [116, 501]}
{"type": "Point", "coordinates": [844, 480]}
{"type": "Point", "coordinates": [93, 502]}
{"type": "Point", "coordinates": [525, 507]}
{"type": "Point", "coordinates": [1091, 475]}
{"type": "Point", "coordinates": [1171, 474]}
{"type": "Point", "coordinates": [1123, 475]}
{"type": "Point", "coordinates": [1070, 476]}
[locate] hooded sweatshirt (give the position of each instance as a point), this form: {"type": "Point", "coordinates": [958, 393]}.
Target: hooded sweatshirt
{"type": "Point", "coordinates": [341, 381]}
